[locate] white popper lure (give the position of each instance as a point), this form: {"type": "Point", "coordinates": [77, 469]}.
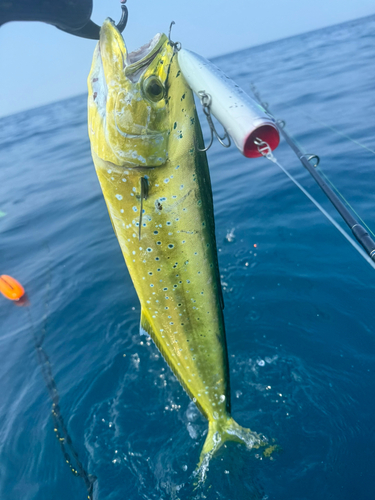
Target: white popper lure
{"type": "Point", "coordinates": [242, 117]}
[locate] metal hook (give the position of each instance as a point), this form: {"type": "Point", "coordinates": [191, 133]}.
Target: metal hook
{"type": "Point", "coordinates": [175, 45]}
{"type": "Point", "coordinates": [206, 104]}
{"type": "Point", "coordinates": [170, 31]}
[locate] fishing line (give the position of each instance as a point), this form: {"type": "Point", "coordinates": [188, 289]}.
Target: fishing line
{"type": "Point", "coordinates": [337, 131]}
{"type": "Point", "coordinates": [267, 153]}
{"type": "Point", "coordinates": [59, 426]}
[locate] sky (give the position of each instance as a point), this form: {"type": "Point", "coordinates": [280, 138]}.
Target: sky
{"type": "Point", "coordinates": [40, 64]}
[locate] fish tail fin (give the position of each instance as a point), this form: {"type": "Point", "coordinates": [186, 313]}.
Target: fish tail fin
{"type": "Point", "coordinates": [221, 431]}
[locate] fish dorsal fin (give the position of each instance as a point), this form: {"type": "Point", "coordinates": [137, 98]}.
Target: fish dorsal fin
{"type": "Point", "coordinates": [145, 328]}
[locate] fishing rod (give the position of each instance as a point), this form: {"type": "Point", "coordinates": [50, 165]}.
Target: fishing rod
{"type": "Point", "coordinates": [359, 232]}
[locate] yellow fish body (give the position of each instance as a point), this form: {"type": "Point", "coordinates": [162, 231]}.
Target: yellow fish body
{"type": "Point", "coordinates": [145, 135]}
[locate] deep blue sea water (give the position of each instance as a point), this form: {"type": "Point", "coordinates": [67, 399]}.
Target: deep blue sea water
{"type": "Point", "coordinates": [299, 306]}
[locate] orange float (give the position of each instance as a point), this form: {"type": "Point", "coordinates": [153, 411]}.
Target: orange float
{"type": "Point", "coordinates": [10, 288]}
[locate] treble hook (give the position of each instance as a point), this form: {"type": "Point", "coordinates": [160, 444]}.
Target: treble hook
{"type": "Point", "coordinates": [206, 106]}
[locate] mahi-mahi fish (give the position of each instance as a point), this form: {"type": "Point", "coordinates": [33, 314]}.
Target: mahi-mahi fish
{"type": "Point", "coordinates": [145, 141]}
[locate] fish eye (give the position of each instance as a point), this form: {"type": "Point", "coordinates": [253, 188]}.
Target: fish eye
{"type": "Point", "coordinates": [153, 88]}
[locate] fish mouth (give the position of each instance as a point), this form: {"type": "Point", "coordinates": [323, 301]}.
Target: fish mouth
{"type": "Point", "coordinates": [138, 60]}
{"type": "Point", "coordinates": [132, 62]}
{"type": "Point", "coordinates": [112, 49]}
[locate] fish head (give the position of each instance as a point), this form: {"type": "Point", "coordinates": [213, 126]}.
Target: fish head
{"type": "Point", "coordinates": [128, 103]}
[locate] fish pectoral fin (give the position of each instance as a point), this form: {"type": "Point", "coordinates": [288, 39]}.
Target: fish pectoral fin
{"type": "Point", "coordinates": [145, 328]}
{"type": "Point", "coordinates": [220, 431]}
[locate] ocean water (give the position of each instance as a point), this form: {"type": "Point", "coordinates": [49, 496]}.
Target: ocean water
{"type": "Point", "coordinates": [299, 303]}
